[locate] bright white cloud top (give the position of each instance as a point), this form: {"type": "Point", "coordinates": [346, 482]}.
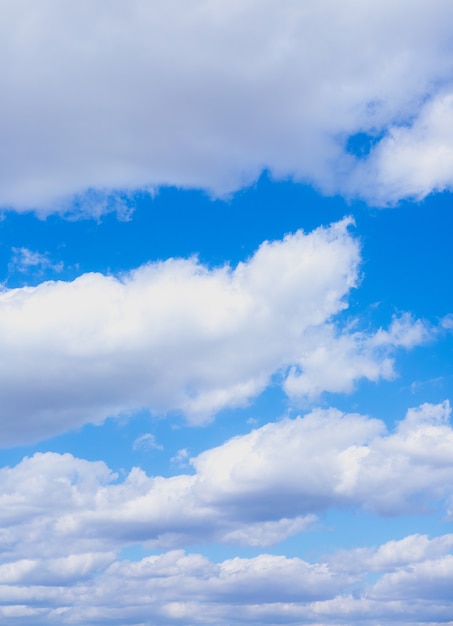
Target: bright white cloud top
{"type": "Point", "coordinates": [178, 336]}
{"type": "Point", "coordinates": [228, 403]}
{"type": "Point", "coordinates": [114, 95]}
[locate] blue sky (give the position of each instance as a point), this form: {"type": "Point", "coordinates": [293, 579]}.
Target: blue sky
{"type": "Point", "coordinates": [226, 314]}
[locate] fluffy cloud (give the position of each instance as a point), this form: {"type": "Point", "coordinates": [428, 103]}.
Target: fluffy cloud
{"type": "Point", "coordinates": [177, 336]}
{"type": "Point", "coordinates": [81, 504]}
{"type": "Point", "coordinates": [413, 159]}
{"type": "Point", "coordinates": [175, 588]}
{"type": "Point", "coordinates": [327, 459]}
{"type": "Point", "coordinates": [112, 96]}
{"type": "Point", "coordinates": [393, 556]}
{"type": "Point", "coordinates": [64, 520]}
{"type": "Point", "coordinates": [256, 489]}
{"type": "Point", "coordinates": [333, 361]}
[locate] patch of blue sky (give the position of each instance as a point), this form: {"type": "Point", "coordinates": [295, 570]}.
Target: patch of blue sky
{"type": "Point", "coordinates": [405, 254]}
{"type": "Point", "coordinates": [361, 144]}
{"type": "Point", "coordinates": [173, 223]}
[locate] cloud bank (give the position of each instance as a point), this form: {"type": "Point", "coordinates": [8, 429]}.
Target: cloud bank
{"type": "Point", "coordinates": [64, 521]}
{"type": "Point", "coordinates": [178, 588]}
{"type": "Point", "coordinates": [256, 489]}
{"type": "Point", "coordinates": [107, 96]}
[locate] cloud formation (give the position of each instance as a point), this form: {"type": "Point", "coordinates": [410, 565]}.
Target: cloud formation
{"type": "Point", "coordinates": [256, 489]}
{"type": "Point", "coordinates": [106, 96]}
{"type": "Point", "coordinates": [178, 336]}
{"type": "Point", "coordinates": [63, 522]}
{"type": "Point", "coordinates": [275, 589]}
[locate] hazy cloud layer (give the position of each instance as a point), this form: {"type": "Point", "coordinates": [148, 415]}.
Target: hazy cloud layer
{"type": "Point", "coordinates": [178, 336]}
{"type": "Point", "coordinates": [113, 95]}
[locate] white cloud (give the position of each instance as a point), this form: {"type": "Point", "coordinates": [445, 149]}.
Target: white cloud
{"type": "Point", "coordinates": [269, 532]}
{"type": "Point", "coordinates": [25, 260]}
{"type": "Point", "coordinates": [63, 521]}
{"type": "Point", "coordinates": [327, 459]}
{"type": "Point", "coordinates": [334, 361]}
{"type": "Point", "coordinates": [447, 322]}
{"type": "Point", "coordinates": [392, 556]}
{"type": "Point", "coordinates": [107, 95]}
{"type": "Point", "coordinates": [256, 489]}
{"type": "Point", "coordinates": [55, 572]}
{"type": "Point", "coordinates": [181, 457]}
{"type": "Point", "coordinates": [413, 159]}
{"type": "Point", "coordinates": [175, 588]}
{"type": "Point", "coordinates": [177, 336]}
{"type": "Point", "coordinates": [147, 442]}
{"type": "Point", "coordinates": [429, 580]}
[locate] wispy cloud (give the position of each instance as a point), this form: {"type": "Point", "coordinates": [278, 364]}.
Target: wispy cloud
{"type": "Point", "coordinates": [25, 260]}
{"type": "Point", "coordinates": [147, 442]}
{"type": "Point", "coordinates": [181, 457]}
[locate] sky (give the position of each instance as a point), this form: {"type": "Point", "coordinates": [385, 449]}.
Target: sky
{"type": "Point", "coordinates": [226, 315]}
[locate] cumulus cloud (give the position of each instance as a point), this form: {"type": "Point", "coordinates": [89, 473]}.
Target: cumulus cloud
{"type": "Point", "coordinates": [413, 159]}
{"type": "Point", "coordinates": [175, 588]}
{"type": "Point", "coordinates": [81, 504]}
{"type": "Point", "coordinates": [393, 556]}
{"type": "Point", "coordinates": [63, 522]}
{"type": "Point", "coordinates": [326, 459]}
{"type": "Point", "coordinates": [177, 336]}
{"type": "Point", "coordinates": [101, 96]}
{"type": "Point", "coordinates": [256, 489]}
{"type": "Point", "coordinates": [428, 580]}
